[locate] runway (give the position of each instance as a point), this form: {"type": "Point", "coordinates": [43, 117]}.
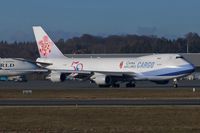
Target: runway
{"type": "Point", "coordinates": [98, 102]}
{"type": "Point", "coordinates": [47, 85]}
{"type": "Point", "coordinates": [83, 86]}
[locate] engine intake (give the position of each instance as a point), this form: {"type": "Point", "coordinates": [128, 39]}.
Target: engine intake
{"type": "Point", "coordinates": [56, 77]}
{"type": "Point", "coordinates": [101, 79]}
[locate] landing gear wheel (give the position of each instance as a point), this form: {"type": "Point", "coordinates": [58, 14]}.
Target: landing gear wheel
{"type": "Point", "coordinates": [104, 86]}
{"type": "Point", "coordinates": [175, 84]}
{"type": "Point", "coordinates": [129, 85]}
{"type": "Point", "coordinates": [116, 85]}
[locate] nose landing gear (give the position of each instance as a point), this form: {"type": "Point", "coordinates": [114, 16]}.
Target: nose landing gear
{"type": "Point", "coordinates": [175, 83]}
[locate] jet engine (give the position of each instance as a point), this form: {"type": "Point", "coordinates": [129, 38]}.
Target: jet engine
{"type": "Point", "coordinates": [56, 77]}
{"type": "Point", "coordinates": [101, 79]}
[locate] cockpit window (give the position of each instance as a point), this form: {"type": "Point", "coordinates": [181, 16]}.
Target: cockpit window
{"type": "Point", "coordinates": [179, 57]}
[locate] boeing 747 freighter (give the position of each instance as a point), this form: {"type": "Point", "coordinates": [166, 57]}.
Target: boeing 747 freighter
{"type": "Point", "coordinates": [105, 72]}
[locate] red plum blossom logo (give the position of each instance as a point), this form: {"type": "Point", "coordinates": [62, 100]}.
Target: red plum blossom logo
{"type": "Point", "coordinates": [45, 46]}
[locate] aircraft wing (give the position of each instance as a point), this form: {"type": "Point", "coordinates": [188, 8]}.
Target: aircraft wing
{"type": "Point", "coordinates": [84, 72]}
{"type": "Point", "coordinates": [27, 70]}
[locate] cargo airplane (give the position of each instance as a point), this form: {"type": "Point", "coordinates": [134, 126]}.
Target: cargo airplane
{"type": "Point", "coordinates": [15, 69]}
{"type": "Point", "coordinates": [106, 72]}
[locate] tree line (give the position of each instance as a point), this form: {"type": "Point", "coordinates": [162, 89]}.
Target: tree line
{"type": "Point", "coordinates": [89, 44]}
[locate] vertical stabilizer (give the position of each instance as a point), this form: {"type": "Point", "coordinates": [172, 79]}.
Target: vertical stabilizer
{"type": "Point", "coordinates": [46, 47]}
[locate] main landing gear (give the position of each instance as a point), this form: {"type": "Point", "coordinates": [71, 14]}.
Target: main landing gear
{"type": "Point", "coordinates": [175, 83]}
{"type": "Point", "coordinates": [112, 85]}
{"type": "Point", "coordinates": [104, 86]}
{"type": "Point", "coordinates": [115, 85]}
{"type": "Point", "coordinates": [130, 84]}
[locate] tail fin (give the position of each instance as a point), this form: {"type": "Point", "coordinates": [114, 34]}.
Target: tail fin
{"type": "Point", "coordinates": [46, 46]}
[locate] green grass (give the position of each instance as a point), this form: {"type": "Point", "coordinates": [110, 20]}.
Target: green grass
{"type": "Point", "coordinates": [100, 120]}
{"type": "Point", "coordinates": [101, 93]}
{"type": "Point", "coordinates": [157, 119]}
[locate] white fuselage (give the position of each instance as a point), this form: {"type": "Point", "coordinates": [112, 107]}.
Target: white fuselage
{"type": "Point", "coordinates": [13, 67]}
{"type": "Point", "coordinates": [153, 67]}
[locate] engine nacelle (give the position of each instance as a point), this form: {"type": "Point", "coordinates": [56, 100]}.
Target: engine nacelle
{"type": "Point", "coordinates": [101, 79]}
{"type": "Point", "coordinates": [56, 77]}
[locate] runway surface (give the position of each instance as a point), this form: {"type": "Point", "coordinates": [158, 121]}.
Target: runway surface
{"type": "Point", "coordinates": [47, 85]}
{"type": "Point", "coordinates": [99, 102]}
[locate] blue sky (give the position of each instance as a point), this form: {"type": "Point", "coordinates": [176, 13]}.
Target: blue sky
{"type": "Point", "coordinates": [67, 18]}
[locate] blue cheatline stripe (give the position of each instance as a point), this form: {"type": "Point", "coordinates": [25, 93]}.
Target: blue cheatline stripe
{"type": "Point", "coordinates": [177, 73]}
{"type": "Point", "coordinates": [185, 69]}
